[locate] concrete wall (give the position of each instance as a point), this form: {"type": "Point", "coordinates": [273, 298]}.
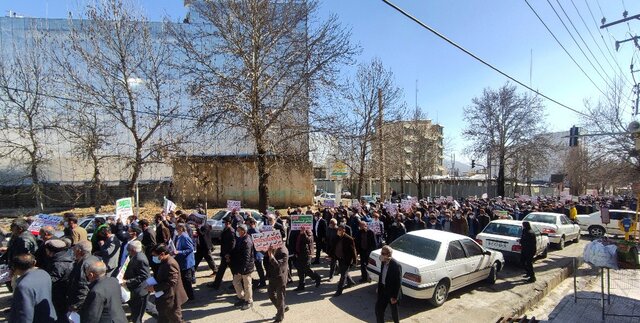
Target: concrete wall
{"type": "Point", "coordinates": [217, 179]}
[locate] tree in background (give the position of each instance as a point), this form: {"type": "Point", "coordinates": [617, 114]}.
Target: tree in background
{"type": "Point", "coordinates": [425, 145]}
{"type": "Point", "coordinates": [498, 122]}
{"type": "Point", "coordinates": [125, 67]}
{"type": "Point", "coordinates": [358, 136]}
{"type": "Point", "coordinates": [255, 68]}
{"type": "Point", "coordinates": [26, 118]}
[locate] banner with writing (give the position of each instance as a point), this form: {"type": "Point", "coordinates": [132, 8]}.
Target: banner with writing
{"type": "Point", "coordinates": [43, 220]}
{"type": "Point", "coordinates": [233, 205]}
{"type": "Point", "coordinates": [301, 222]}
{"type": "Point", "coordinates": [263, 240]}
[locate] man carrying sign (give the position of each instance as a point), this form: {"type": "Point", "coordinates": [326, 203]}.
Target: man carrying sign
{"type": "Point", "coordinates": [276, 264]}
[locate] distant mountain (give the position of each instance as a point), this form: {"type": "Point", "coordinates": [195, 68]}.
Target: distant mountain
{"type": "Point", "coordinates": [462, 167]}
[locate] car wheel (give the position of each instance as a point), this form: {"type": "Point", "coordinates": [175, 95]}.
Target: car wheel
{"type": "Point", "coordinates": [440, 294]}
{"type": "Point", "coordinates": [596, 231]}
{"type": "Point", "coordinates": [545, 252]}
{"type": "Point", "coordinates": [561, 243]}
{"type": "Point", "coordinates": [493, 274]}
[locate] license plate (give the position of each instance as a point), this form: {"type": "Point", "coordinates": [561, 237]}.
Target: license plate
{"type": "Point", "coordinates": [496, 245]}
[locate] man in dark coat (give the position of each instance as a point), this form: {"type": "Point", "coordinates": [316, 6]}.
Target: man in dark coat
{"type": "Point", "coordinates": [319, 235]}
{"type": "Point", "coordinates": [304, 250]}
{"type": "Point", "coordinates": [59, 268]}
{"type": "Point", "coordinates": [332, 237]}
{"type": "Point", "coordinates": [388, 285]}
{"type": "Point", "coordinates": [366, 243]}
{"type": "Point", "coordinates": [345, 252]}
{"type": "Point", "coordinates": [31, 300]}
{"type": "Point", "coordinates": [169, 304]}
{"type": "Point", "coordinates": [134, 278]}
{"type": "Point", "coordinates": [46, 234]}
{"type": "Point", "coordinates": [227, 243]}
{"type": "Point", "coordinates": [528, 242]}
{"type": "Point", "coordinates": [78, 285]}
{"type": "Point", "coordinates": [242, 265]}
{"type": "Point", "coordinates": [22, 241]}
{"type": "Point", "coordinates": [103, 303]}
{"type": "Point", "coordinates": [148, 238]}
{"type": "Point", "coordinates": [205, 248]}
{"type": "Point", "coordinates": [276, 265]}
{"type": "Point", "coordinates": [109, 250]}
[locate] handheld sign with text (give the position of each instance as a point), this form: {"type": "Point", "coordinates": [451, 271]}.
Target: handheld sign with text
{"type": "Point", "coordinates": [301, 222]}
{"type": "Point", "coordinates": [233, 205]}
{"type": "Point", "coordinates": [169, 206]}
{"type": "Point", "coordinates": [405, 205]}
{"type": "Point", "coordinates": [266, 228]}
{"type": "Point", "coordinates": [374, 226]}
{"type": "Point", "coordinates": [329, 203]}
{"type": "Point", "coordinates": [263, 240]}
{"type": "Point", "coordinates": [124, 208]}
{"type": "Point", "coordinates": [42, 220]}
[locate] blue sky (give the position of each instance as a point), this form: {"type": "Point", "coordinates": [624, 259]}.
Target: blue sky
{"type": "Point", "coordinates": [503, 32]}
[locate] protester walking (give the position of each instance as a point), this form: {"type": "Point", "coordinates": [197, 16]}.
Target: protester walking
{"type": "Point", "coordinates": [388, 285]}
{"type": "Point", "coordinates": [528, 243]}
{"type": "Point", "coordinates": [276, 263]}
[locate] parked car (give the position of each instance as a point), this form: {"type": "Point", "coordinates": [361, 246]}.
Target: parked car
{"type": "Point", "coordinates": [504, 236]}
{"type": "Point", "coordinates": [436, 262]}
{"type": "Point", "coordinates": [368, 199]}
{"type": "Point", "coordinates": [88, 223]}
{"type": "Point", "coordinates": [345, 194]}
{"type": "Point", "coordinates": [217, 225]}
{"type": "Point", "coordinates": [596, 228]}
{"type": "Point", "coordinates": [398, 198]}
{"type": "Point", "coordinates": [557, 225]}
{"type": "Point", "coordinates": [323, 197]}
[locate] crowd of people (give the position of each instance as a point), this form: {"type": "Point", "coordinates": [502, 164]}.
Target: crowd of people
{"type": "Point", "coordinates": [135, 261]}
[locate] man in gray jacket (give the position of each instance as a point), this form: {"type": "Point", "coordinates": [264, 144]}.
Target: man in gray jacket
{"type": "Point", "coordinates": [103, 302]}
{"type": "Point", "coordinates": [78, 285]}
{"type": "Point", "coordinates": [32, 295]}
{"type": "Point", "coordinates": [109, 250]}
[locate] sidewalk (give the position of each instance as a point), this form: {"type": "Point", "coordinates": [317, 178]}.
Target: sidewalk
{"type": "Point", "coordinates": [560, 305]}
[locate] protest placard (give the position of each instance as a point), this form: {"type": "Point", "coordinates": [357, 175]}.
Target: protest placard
{"type": "Point", "coordinates": [5, 274]}
{"type": "Point", "coordinates": [392, 209]}
{"type": "Point", "coordinates": [123, 269]}
{"type": "Point", "coordinates": [169, 206]}
{"type": "Point", "coordinates": [449, 198]}
{"type": "Point", "coordinates": [124, 208]}
{"type": "Point", "coordinates": [233, 205]}
{"type": "Point", "coordinates": [263, 240]}
{"type": "Point", "coordinates": [374, 226]}
{"type": "Point", "coordinates": [356, 204]}
{"type": "Point", "coordinates": [42, 220]}
{"type": "Point", "coordinates": [266, 228]}
{"type": "Point", "coordinates": [329, 203]}
{"type": "Point", "coordinates": [301, 222]}
{"type": "Point", "coordinates": [406, 205]}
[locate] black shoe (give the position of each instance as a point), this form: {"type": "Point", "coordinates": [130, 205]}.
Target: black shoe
{"type": "Point", "coordinates": [239, 303]}
{"type": "Point", "coordinates": [276, 320]}
{"type": "Point", "coordinates": [299, 289]}
{"type": "Point", "coordinates": [362, 281]}
{"type": "Point", "coordinates": [246, 306]}
{"type": "Point", "coordinates": [318, 279]}
{"type": "Point", "coordinates": [349, 284]}
{"type": "Point", "coordinates": [317, 262]}
{"type": "Point", "coordinates": [531, 280]}
{"type": "Point", "coordinates": [337, 294]}
{"type": "Point", "coordinates": [525, 276]}
{"type": "Point", "coordinates": [213, 285]}
{"type": "Point", "coordinates": [286, 308]}
{"type": "Point", "coordinates": [231, 287]}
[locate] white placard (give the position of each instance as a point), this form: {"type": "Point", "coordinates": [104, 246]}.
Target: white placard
{"type": "Point", "coordinates": [43, 220]}
{"type": "Point", "coordinates": [124, 208]}
{"type": "Point", "coordinates": [233, 205]}
{"type": "Point", "coordinates": [263, 240]}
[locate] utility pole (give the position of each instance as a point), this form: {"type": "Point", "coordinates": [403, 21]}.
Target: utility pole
{"type": "Point", "coordinates": [625, 19]}
{"type": "Point", "coordinates": [383, 177]}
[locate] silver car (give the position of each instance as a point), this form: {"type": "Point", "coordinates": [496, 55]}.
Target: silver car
{"type": "Point", "coordinates": [217, 225]}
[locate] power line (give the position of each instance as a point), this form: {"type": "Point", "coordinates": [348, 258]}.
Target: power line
{"type": "Point", "coordinates": [623, 74]}
{"type": "Point", "coordinates": [583, 41]}
{"type": "Point", "coordinates": [565, 49]}
{"type": "Point", "coordinates": [435, 32]}
{"type": "Point", "coordinates": [602, 36]}
{"type": "Point", "coordinates": [58, 97]}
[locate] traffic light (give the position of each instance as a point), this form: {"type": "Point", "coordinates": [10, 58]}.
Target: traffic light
{"type": "Point", "coordinates": [574, 134]}
{"type": "Point", "coordinates": [473, 163]}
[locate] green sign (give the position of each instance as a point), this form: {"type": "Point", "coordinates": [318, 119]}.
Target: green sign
{"type": "Point", "coordinates": [299, 222]}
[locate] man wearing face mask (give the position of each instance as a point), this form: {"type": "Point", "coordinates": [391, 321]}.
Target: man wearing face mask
{"type": "Point", "coordinates": [242, 265]}
{"type": "Point", "coordinates": [388, 285]}
{"type": "Point", "coordinates": [169, 303]}
{"type": "Point", "coordinates": [103, 303]}
{"type": "Point", "coordinates": [459, 224]}
{"type": "Point", "coordinates": [345, 252]}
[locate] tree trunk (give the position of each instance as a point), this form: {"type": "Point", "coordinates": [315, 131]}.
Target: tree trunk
{"type": "Point", "coordinates": [37, 188]}
{"type": "Point", "coordinates": [97, 185]}
{"type": "Point", "coordinates": [263, 178]}
{"type": "Point", "coordinates": [419, 186]}
{"type": "Point", "coordinates": [135, 174]}
{"type": "Point", "coordinates": [501, 175]}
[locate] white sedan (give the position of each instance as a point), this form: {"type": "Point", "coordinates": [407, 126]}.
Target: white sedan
{"type": "Point", "coordinates": [559, 228]}
{"type": "Point", "coordinates": [504, 236]}
{"type": "Point", "coordinates": [323, 197]}
{"type": "Point", "coordinates": [436, 262]}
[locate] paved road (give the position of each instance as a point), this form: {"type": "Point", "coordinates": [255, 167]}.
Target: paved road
{"type": "Point", "coordinates": [480, 302]}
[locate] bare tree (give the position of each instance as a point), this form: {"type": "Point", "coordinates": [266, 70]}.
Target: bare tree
{"type": "Point", "coordinates": [530, 156]}
{"type": "Point", "coordinates": [27, 117]}
{"type": "Point", "coordinates": [360, 117]}
{"type": "Point", "coordinates": [498, 121]}
{"type": "Point", "coordinates": [425, 150]}
{"type": "Point", "coordinates": [255, 67]}
{"type": "Point", "coordinates": [124, 65]}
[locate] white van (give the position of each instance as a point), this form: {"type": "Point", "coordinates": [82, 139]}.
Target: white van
{"type": "Point", "coordinates": [593, 222]}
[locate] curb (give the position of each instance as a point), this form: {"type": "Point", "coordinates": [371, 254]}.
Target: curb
{"type": "Point", "coordinates": [542, 290]}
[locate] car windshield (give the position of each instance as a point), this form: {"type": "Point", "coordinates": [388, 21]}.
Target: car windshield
{"type": "Point", "coordinates": [502, 229]}
{"type": "Point", "coordinates": [543, 218]}
{"type": "Point", "coordinates": [417, 246]}
{"type": "Point", "coordinates": [218, 216]}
